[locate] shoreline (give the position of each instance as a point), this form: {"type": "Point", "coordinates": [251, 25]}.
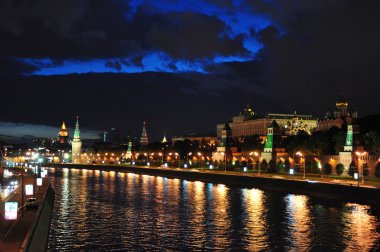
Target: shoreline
{"type": "Point", "coordinates": [350, 193]}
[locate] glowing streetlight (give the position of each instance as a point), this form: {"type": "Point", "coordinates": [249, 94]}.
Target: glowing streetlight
{"type": "Point", "coordinates": [360, 154]}
{"type": "Point", "coordinates": [187, 157]}
{"type": "Point", "coordinates": [298, 153]}
{"type": "Point", "coordinates": [162, 157]}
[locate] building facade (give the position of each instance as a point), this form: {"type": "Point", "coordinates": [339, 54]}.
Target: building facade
{"type": "Point", "coordinates": [248, 123]}
{"type": "Point", "coordinates": [339, 117]}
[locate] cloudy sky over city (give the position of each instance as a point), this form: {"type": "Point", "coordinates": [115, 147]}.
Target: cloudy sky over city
{"type": "Point", "coordinates": [182, 66]}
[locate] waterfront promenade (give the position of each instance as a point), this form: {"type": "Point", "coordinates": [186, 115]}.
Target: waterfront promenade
{"type": "Point", "coordinates": [325, 187]}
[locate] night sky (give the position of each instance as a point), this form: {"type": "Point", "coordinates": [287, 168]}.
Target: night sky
{"type": "Point", "coordinates": [183, 66]}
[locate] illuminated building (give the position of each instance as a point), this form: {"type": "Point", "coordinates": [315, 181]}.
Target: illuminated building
{"type": "Point", "coordinates": [226, 150]}
{"type": "Point", "coordinates": [272, 148]}
{"type": "Point", "coordinates": [353, 151]}
{"type": "Point", "coordinates": [76, 144]}
{"type": "Point", "coordinates": [144, 136]}
{"type": "Point", "coordinates": [63, 135]}
{"type": "Point", "coordinates": [352, 144]}
{"type": "Point", "coordinates": [337, 118]}
{"type": "Point", "coordinates": [249, 123]}
{"type": "Point", "coordinates": [128, 154]}
{"type": "Point", "coordinates": [202, 139]}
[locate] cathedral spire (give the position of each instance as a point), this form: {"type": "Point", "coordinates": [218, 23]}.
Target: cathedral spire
{"type": "Point", "coordinates": [144, 136]}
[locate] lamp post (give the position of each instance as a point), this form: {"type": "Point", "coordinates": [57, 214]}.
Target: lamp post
{"type": "Point", "coordinates": [360, 154]}
{"type": "Point", "coordinates": [147, 157]}
{"type": "Point", "coordinates": [151, 157]}
{"type": "Point", "coordinates": [319, 165]}
{"type": "Point", "coordinates": [199, 158]}
{"type": "Point", "coordinates": [225, 161]}
{"type": "Point", "coordinates": [162, 157]}
{"type": "Point", "coordinates": [179, 159]}
{"type": "Point", "coordinates": [187, 157]}
{"type": "Point", "coordinates": [256, 154]}
{"type": "Point", "coordinates": [298, 153]}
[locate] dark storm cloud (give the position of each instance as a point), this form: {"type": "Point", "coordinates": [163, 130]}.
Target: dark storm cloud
{"type": "Point", "coordinates": [113, 64]}
{"type": "Point", "coordinates": [191, 35]}
{"type": "Point", "coordinates": [326, 47]}
{"type": "Point", "coordinates": [250, 71]}
{"type": "Point", "coordinates": [103, 29]}
{"type": "Point", "coordinates": [15, 67]}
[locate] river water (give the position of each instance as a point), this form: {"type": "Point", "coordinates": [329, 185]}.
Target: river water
{"type": "Point", "coordinates": [111, 211]}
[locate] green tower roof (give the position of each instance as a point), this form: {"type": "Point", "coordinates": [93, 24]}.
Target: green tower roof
{"type": "Point", "coordinates": [77, 131]}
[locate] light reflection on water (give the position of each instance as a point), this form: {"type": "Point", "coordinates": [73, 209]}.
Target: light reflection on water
{"type": "Point", "coordinates": [104, 211]}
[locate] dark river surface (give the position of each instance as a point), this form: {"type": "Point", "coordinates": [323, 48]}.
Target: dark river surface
{"type": "Point", "coordinates": [111, 211]}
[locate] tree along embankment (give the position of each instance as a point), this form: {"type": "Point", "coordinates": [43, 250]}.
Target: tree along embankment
{"type": "Point", "coordinates": [334, 191]}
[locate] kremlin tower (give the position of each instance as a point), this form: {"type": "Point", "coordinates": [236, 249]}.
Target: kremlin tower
{"type": "Point", "coordinates": [76, 144]}
{"type": "Point", "coordinates": [164, 140]}
{"type": "Point", "coordinates": [144, 137]}
{"type": "Point", "coordinates": [63, 135]}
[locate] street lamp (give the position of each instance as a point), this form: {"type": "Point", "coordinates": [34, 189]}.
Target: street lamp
{"type": "Point", "coordinates": [298, 153]}
{"type": "Point", "coordinates": [360, 154]}
{"type": "Point", "coordinates": [179, 159]}
{"type": "Point", "coordinates": [256, 154]}
{"type": "Point", "coordinates": [162, 156]}
{"type": "Point", "coordinates": [225, 161]}
{"type": "Point", "coordinates": [319, 165]}
{"type": "Point", "coordinates": [151, 158]}
{"type": "Point", "coordinates": [187, 157]}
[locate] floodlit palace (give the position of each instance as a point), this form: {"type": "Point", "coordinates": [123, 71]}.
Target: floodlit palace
{"type": "Point", "coordinates": [249, 123]}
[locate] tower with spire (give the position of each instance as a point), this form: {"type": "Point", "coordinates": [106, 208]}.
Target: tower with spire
{"type": "Point", "coordinates": [272, 148]}
{"type": "Point", "coordinates": [144, 137]}
{"type": "Point", "coordinates": [128, 154]}
{"type": "Point", "coordinates": [164, 140]}
{"type": "Point", "coordinates": [63, 135]}
{"type": "Point", "coordinates": [76, 144]}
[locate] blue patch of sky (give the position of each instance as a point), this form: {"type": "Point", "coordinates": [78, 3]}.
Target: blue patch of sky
{"type": "Point", "coordinates": [75, 66]}
{"type": "Point", "coordinates": [152, 62]}
{"type": "Point", "coordinates": [239, 20]}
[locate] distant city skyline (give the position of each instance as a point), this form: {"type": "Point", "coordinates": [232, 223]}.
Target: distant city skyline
{"type": "Point", "coordinates": [9, 130]}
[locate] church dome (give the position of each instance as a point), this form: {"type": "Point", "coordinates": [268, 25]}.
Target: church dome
{"type": "Point", "coordinates": [341, 102]}
{"type": "Point", "coordinates": [248, 111]}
